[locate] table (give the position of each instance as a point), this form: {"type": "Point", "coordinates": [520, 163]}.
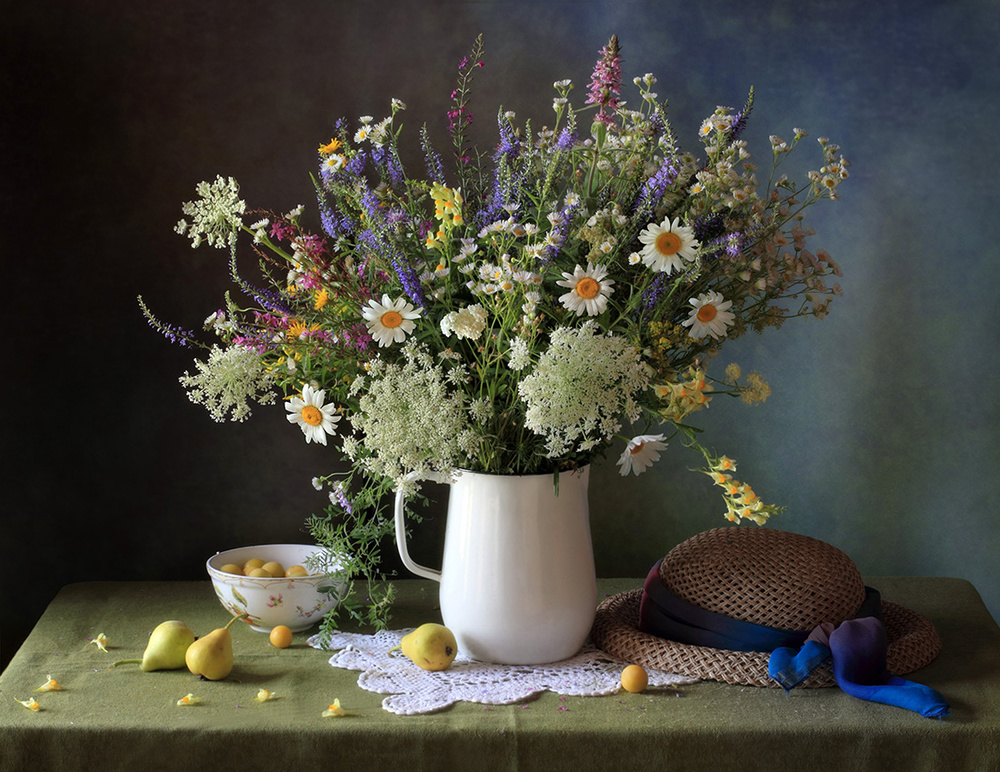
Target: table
{"type": "Point", "coordinates": [122, 718]}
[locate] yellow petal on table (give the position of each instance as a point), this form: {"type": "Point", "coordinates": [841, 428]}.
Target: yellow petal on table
{"type": "Point", "coordinates": [31, 704]}
{"type": "Point", "coordinates": [101, 641]}
{"type": "Point", "coordinates": [189, 699]}
{"type": "Point", "coordinates": [264, 695]}
{"type": "Point", "coordinates": [335, 711]}
{"type": "Point", "coordinates": [52, 685]}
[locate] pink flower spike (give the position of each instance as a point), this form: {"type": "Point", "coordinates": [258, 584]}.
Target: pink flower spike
{"type": "Point", "coordinates": [606, 82]}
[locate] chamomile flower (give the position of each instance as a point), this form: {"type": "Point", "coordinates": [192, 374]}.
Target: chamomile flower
{"type": "Point", "coordinates": [710, 315]}
{"type": "Point", "coordinates": [668, 245]}
{"type": "Point", "coordinates": [589, 290]}
{"type": "Point", "coordinates": [364, 131]}
{"type": "Point", "coordinates": [640, 453]}
{"type": "Point", "coordinates": [391, 320]}
{"type": "Point", "coordinates": [333, 163]}
{"type": "Point", "coordinates": [314, 418]}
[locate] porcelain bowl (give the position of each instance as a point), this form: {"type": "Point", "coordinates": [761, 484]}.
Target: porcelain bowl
{"type": "Point", "coordinates": [297, 602]}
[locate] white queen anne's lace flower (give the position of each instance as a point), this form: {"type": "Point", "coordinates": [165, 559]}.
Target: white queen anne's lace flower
{"type": "Point", "coordinates": [409, 418]}
{"type": "Point", "coordinates": [581, 387]}
{"type": "Point", "coordinates": [216, 216]}
{"type": "Point", "coordinates": [226, 383]}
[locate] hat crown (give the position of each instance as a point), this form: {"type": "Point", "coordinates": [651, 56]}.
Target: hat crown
{"type": "Point", "coordinates": [764, 576]}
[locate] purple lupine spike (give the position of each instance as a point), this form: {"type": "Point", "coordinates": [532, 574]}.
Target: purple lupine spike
{"type": "Point", "coordinates": [174, 334]}
{"type": "Point", "coordinates": [739, 121]}
{"type": "Point", "coordinates": [560, 230]}
{"type": "Point", "coordinates": [273, 301]}
{"type": "Point", "coordinates": [267, 298]}
{"type": "Point", "coordinates": [656, 186]}
{"type": "Point", "coordinates": [388, 163]}
{"type": "Point", "coordinates": [370, 202]}
{"type": "Point", "coordinates": [329, 221]}
{"type": "Point", "coordinates": [355, 165]}
{"type": "Point", "coordinates": [387, 250]}
{"type": "Point", "coordinates": [505, 186]}
{"type": "Point", "coordinates": [709, 226]}
{"type": "Point", "coordinates": [509, 147]}
{"type": "Point", "coordinates": [335, 224]}
{"type": "Point", "coordinates": [653, 291]}
{"type": "Point", "coordinates": [435, 167]}
{"type": "Point", "coordinates": [395, 169]}
{"type": "Point", "coordinates": [410, 281]}
{"type": "Point", "coordinates": [566, 140]}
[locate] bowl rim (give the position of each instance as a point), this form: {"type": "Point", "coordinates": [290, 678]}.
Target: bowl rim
{"type": "Point", "coordinates": [216, 573]}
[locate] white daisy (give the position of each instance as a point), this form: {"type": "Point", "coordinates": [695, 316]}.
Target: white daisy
{"type": "Point", "coordinates": [314, 418]}
{"type": "Point", "coordinates": [333, 162]}
{"type": "Point", "coordinates": [668, 245]}
{"type": "Point", "coordinates": [391, 320]}
{"type": "Point", "coordinates": [589, 290]}
{"type": "Point", "coordinates": [640, 453]}
{"type": "Point", "coordinates": [710, 316]}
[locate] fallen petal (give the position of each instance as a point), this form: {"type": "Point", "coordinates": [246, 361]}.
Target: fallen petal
{"type": "Point", "coordinates": [51, 685]}
{"type": "Point", "coordinates": [335, 711]}
{"type": "Point", "coordinates": [101, 641]}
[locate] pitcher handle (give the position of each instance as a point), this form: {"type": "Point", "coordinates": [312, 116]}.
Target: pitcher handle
{"type": "Point", "coordinates": [416, 568]}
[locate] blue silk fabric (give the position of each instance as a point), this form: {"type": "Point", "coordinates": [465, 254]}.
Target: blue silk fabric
{"type": "Point", "coordinates": [857, 647]}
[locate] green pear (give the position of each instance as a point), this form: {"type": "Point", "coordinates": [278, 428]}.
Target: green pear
{"type": "Point", "coordinates": [430, 646]}
{"type": "Point", "coordinates": [166, 647]}
{"type": "Point", "coordinates": [211, 656]}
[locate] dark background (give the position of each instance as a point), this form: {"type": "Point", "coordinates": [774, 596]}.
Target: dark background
{"type": "Point", "coordinates": [881, 436]}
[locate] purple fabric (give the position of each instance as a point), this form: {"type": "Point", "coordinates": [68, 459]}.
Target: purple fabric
{"type": "Point", "coordinates": [859, 648]}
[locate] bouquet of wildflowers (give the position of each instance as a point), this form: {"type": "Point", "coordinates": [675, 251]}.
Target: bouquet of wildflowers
{"type": "Point", "coordinates": [516, 314]}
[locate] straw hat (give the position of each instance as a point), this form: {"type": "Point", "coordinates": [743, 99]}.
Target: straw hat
{"type": "Point", "coordinates": [766, 577]}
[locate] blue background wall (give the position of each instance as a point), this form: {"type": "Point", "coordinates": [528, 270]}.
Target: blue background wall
{"type": "Point", "coordinates": [881, 434]}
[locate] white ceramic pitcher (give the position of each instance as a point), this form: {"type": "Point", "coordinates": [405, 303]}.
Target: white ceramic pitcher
{"type": "Point", "coordinates": [518, 584]}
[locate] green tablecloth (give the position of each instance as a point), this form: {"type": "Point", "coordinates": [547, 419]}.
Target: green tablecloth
{"type": "Point", "coordinates": [121, 718]}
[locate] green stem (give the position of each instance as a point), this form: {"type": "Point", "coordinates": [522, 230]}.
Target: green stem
{"type": "Point", "coordinates": [241, 616]}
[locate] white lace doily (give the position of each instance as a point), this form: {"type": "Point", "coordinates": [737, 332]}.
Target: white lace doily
{"type": "Point", "coordinates": [411, 690]}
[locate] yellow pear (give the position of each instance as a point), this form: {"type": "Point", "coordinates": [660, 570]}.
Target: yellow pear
{"type": "Point", "coordinates": [211, 656]}
{"type": "Point", "coordinates": [430, 646]}
{"type": "Point", "coordinates": [165, 650]}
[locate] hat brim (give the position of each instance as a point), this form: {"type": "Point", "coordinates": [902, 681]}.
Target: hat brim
{"type": "Point", "coordinates": [913, 644]}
